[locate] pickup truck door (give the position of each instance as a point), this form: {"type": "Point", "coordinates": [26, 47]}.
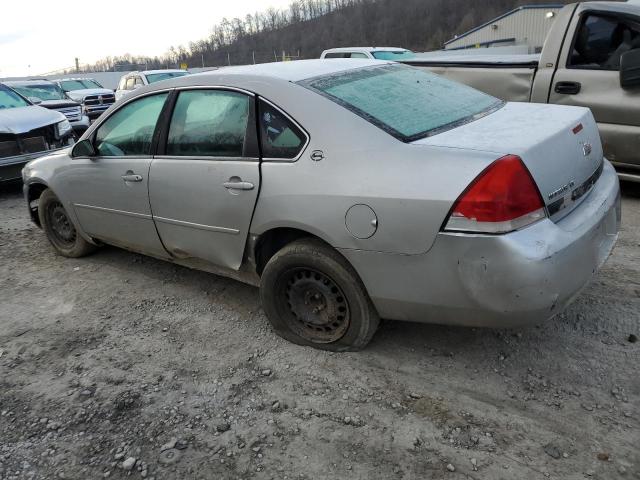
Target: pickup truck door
{"type": "Point", "coordinates": [109, 191]}
{"type": "Point", "coordinates": [205, 179]}
{"type": "Point", "coordinates": [588, 76]}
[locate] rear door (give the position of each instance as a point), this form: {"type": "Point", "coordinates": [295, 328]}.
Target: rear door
{"type": "Point", "coordinates": [588, 76]}
{"type": "Point", "coordinates": [204, 185]}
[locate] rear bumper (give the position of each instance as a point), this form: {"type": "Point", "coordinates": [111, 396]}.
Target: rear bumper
{"type": "Point", "coordinates": [509, 280]}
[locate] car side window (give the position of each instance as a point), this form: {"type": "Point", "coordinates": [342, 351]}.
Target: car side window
{"type": "Point", "coordinates": [358, 55]}
{"type": "Point", "coordinates": [129, 131]}
{"type": "Point", "coordinates": [601, 40]}
{"type": "Point", "coordinates": [336, 55]}
{"type": "Point", "coordinates": [130, 83]}
{"type": "Point", "coordinates": [139, 81]}
{"type": "Point", "coordinates": [209, 123]}
{"type": "Point", "coordinates": [279, 136]}
{"type": "Point", "coordinates": [122, 84]}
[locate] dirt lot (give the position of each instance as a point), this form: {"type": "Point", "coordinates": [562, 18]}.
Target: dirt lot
{"type": "Point", "coordinates": [120, 366]}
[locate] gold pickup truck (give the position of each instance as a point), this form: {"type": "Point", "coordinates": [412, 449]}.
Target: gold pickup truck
{"type": "Point", "coordinates": [591, 58]}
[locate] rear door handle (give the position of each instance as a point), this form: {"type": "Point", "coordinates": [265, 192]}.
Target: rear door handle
{"type": "Point", "coordinates": [568, 88]}
{"type": "Point", "coordinates": [239, 185]}
{"type": "Point", "coordinates": [132, 177]}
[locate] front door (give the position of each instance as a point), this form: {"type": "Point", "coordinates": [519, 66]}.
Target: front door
{"type": "Point", "coordinates": [109, 192]}
{"type": "Point", "coordinates": [588, 76]}
{"type": "Point", "coordinates": [204, 186]}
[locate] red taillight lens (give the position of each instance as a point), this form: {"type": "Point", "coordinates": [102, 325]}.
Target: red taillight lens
{"type": "Point", "coordinates": [501, 199]}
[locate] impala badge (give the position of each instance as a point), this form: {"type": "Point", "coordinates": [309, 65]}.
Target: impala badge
{"type": "Point", "coordinates": [586, 149]}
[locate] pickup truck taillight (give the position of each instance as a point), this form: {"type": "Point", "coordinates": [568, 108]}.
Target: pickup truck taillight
{"type": "Point", "coordinates": [503, 198]}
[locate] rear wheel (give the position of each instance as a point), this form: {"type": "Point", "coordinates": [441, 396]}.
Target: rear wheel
{"type": "Point", "coordinates": [313, 297]}
{"type": "Point", "coordinates": [59, 228]}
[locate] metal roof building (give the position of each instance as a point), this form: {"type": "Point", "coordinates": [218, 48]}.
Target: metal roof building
{"type": "Point", "coordinates": [526, 25]}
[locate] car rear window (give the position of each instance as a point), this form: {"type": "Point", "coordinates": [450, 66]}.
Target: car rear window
{"type": "Point", "coordinates": [409, 103]}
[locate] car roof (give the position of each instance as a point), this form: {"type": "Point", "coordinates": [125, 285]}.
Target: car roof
{"type": "Point", "coordinates": [73, 78]}
{"type": "Point", "coordinates": [367, 49]}
{"type": "Point", "coordinates": [167, 70]}
{"type": "Point", "coordinates": [293, 71]}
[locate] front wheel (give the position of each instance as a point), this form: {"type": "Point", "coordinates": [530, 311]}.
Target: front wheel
{"type": "Point", "coordinates": [59, 228]}
{"type": "Point", "coordinates": [313, 297]}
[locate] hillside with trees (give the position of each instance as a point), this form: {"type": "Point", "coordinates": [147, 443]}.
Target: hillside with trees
{"type": "Point", "coordinates": [307, 27]}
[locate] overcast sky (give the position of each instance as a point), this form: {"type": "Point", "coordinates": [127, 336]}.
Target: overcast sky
{"type": "Point", "coordinates": [48, 35]}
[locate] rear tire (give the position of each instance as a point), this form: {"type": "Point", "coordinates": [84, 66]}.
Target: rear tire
{"type": "Point", "coordinates": [313, 297]}
{"type": "Point", "coordinates": [60, 230]}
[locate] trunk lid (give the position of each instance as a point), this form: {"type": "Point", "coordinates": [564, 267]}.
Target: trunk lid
{"type": "Point", "coordinates": [559, 145]}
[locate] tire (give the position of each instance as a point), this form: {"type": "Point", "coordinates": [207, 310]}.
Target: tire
{"type": "Point", "coordinates": [60, 230]}
{"type": "Point", "coordinates": [313, 297]}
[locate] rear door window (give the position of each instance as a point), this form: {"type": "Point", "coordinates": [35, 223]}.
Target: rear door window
{"type": "Point", "coordinates": [209, 123]}
{"type": "Point", "coordinates": [407, 102]}
{"type": "Point", "coordinates": [280, 137]}
{"type": "Point", "coordinates": [130, 83]}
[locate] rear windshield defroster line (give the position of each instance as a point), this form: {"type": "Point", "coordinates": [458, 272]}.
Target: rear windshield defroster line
{"type": "Point", "coordinates": [408, 103]}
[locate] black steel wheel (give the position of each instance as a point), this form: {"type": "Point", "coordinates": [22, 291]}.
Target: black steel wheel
{"type": "Point", "coordinates": [59, 227]}
{"type": "Point", "coordinates": [312, 296]}
{"type": "Point", "coordinates": [318, 309]}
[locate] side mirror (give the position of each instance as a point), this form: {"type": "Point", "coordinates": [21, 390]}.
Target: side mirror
{"type": "Point", "coordinates": [84, 148]}
{"type": "Point", "coordinates": [630, 69]}
{"type": "Point", "coordinates": [35, 100]}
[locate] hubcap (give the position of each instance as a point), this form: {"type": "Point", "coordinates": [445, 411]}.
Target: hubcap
{"type": "Point", "coordinates": [61, 227]}
{"type": "Point", "coordinates": [318, 310]}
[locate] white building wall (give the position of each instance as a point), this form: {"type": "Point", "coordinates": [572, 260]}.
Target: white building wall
{"type": "Point", "coordinates": [527, 26]}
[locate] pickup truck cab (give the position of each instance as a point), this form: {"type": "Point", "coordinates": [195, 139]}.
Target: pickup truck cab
{"type": "Point", "coordinates": [591, 58]}
{"type": "Point", "coordinates": [95, 99]}
{"type": "Point", "coordinates": [373, 53]}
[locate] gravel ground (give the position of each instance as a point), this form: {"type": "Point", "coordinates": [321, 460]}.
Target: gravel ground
{"type": "Point", "coordinates": [118, 366]}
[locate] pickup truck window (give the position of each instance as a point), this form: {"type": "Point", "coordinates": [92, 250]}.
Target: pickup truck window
{"type": "Point", "coordinates": [10, 99]}
{"type": "Point", "coordinates": [406, 102]}
{"type": "Point", "coordinates": [601, 40]}
{"type": "Point", "coordinates": [70, 85]}
{"type": "Point", "coordinates": [129, 130]}
{"type": "Point", "coordinates": [209, 123]}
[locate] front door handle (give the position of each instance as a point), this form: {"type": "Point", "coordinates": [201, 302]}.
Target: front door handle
{"type": "Point", "coordinates": [568, 88]}
{"type": "Point", "coordinates": [132, 177]}
{"type": "Point", "coordinates": [239, 185]}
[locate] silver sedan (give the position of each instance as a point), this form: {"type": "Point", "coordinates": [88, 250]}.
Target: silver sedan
{"type": "Point", "coordinates": [348, 190]}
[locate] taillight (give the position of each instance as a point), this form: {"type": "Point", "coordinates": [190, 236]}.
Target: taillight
{"type": "Point", "coordinates": [501, 199]}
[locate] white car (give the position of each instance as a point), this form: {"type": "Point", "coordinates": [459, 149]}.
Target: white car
{"type": "Point", "coordinates": [376, 53]}
{"type": "Point", "coordinates": [133, 80]}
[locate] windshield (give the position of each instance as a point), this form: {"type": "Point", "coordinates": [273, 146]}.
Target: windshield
{"type": "Point", "coordinates": [409, 103]}
{"type": "Point", "coordinates": [43, 92]}
{"type": "Point", "coordinates": [70, 85]}
{"type": "Point", "coordinates": [393, 55]}
{"type": "Point", "coordinates": [156, 77]}
{"type": "Point", "coordinates": [10, 99]}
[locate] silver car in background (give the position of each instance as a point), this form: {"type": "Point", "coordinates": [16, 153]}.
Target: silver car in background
{"type": "Point", "coordinates": [348, 190]}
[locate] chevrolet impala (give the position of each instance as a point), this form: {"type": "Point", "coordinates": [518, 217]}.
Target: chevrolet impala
{"type": "Point", "coordinates": [348, 191]}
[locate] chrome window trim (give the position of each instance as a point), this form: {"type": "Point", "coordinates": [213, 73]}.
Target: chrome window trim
{"type": "Point", "coordinates": [206, 158]}
{"type": "Point", "coordinates": [292, 120]}
{"type": "Point", "coordinates": [215, 87]}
